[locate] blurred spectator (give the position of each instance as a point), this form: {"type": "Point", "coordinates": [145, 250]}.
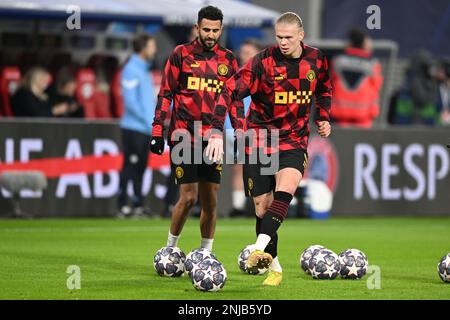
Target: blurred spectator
{"type": "Point", "coordinates": [30, 100]}
{"type": "Point", "coordinates": [136, 122]}
{"type": "Point", "coordinates": [416, 101]}
{"type": "Point", "coordinates": [401, 106]}
{"type": "Point", "coordinates": [357, 79]}
{"type": "Point", "coordinates": [248, 49]}
{"type": "Point", "coordinates": [424, 88]}
{"type": "Point", "coordinates": [64, 92]}
{"type": "Point", "coordinates": [423, 97]}
{"type": "Point", "coordinates": [444, 94]}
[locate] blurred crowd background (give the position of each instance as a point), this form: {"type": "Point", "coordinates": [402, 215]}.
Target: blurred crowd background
{"type": "Point", "coordinates": [75, 73]}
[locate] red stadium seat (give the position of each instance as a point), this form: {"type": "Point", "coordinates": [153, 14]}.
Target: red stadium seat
{"type": "Point", "coordinates": [102, 103]}
{"type": "Point", "coordinates": [9, 81]}
{"type": "Point", "coordinates": [85, 92]}
{"type": "Point", "coordinates": [117, 103]}
{"type": "Point", "coordinates": [107, 64]}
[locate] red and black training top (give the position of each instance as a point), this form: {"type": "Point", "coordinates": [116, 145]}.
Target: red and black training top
{"type": "Point", "coordinates": [193, 78]}
{"type": "Point", "coordinates": [282, 92]}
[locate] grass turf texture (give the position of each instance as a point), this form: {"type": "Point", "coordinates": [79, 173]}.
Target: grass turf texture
{"type": "Point", "coordinates": [115, 258]}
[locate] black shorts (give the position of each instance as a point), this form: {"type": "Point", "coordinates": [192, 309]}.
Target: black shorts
{"type": "Point", "coordinates": [259, 178]}
{"type": "Point", "coordinates": [191, 171]}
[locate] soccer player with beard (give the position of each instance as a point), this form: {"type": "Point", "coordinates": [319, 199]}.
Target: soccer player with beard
{"type": "Point", "coordinates": [193, 77]}
{"type": "Point", "coordinates": [282, 81]}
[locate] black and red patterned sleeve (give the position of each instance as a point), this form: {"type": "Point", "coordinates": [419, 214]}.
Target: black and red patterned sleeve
{"type": "Point", "coordinates": [323, 91]}
{"type": "Point", "coordinates": [169, 84]}
{"type": "Point", "coordinates": [244, 83]}
{"type": "Point", "coordinates": [236, 108]}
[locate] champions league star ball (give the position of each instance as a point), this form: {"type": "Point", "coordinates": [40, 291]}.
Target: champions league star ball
{"type": "Point", "coordinates": [354, 264]}
{"type": "Point", "coordinates": [242, 261]}
{"type": "Point", "coordinates": [209, 275]}
{"type": "Point", "coordinates": [324, 264]}
{"type": "Point", "coordinates": [169, 262]}
{"type": "Point", "coordinates": [307, 254]}
{"type": "Point", "coordinates": [444, 268]}
{"type": "Point", "coordinates": [195, 256]}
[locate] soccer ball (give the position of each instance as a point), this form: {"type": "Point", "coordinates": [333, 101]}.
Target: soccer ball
{"type": "Point", "coordinates": [209, 275]}
{"type": "Point", "coordinates": [169, 262]}
{"type": "Point", "coordinates": [307, 254]}
{"type": "Point", "coordinates": [324, 264]}
{"type": "Point", "coordinates": [195, 256]}
{"type": "Point", "coordinates": [242, 261]}
{"type": "Point", "coordinates": [444, 268]}
{"type": "Point", "coordinates": [354, 264]}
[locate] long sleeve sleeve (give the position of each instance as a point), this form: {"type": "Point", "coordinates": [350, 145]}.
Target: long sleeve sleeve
{"type": "Point", "coordinates": [169, 84]}
{"type": "Point", "coordinates": [236, 108]}
{"type": "Point", "coordinates": [323, 93]}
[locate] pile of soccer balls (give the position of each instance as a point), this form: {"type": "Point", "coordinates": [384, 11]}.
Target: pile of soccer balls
{"type": "Point", "coordinates": [205, 271]}
{"type": "Point", "coordinates": [322, 263]}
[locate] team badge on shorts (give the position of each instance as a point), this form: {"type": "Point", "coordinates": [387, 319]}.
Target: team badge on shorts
{"type": "Point", "coordinates": [250, 184]}
{"type": "Point", "coordinates": [310, 75]}
{"type": "Point", "coordinates": [179, 172]}
{"type": "Point", "coordinates": [222, 69]}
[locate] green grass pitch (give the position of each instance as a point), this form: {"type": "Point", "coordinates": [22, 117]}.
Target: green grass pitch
{"type": "Point", "coordinates": [115, 258]}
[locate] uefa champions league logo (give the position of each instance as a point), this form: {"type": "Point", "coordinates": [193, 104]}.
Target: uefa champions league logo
{"type": "Point", "coordinates": [323, 164]}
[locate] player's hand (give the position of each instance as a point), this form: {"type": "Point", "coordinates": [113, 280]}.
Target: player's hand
{"type": "Point", "coordinates": [214, 150]}
{"type": "Point", "coordinates": [324, 128]}
{"type": "Point", "coordinates": [157, 145]}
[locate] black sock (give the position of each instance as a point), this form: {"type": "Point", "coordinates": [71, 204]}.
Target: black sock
{"type": "Point", "coordinates": [276, 213]}
{"type": "Point", "coordinates": [272, 247]}
{"type": "Point", "coordinates": [258, 225]}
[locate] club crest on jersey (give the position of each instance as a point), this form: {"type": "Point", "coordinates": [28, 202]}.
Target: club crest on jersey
{"type": "Point", "coordinates": [222, 69]}
{"type": "Point", "coordinates": [311, 75]}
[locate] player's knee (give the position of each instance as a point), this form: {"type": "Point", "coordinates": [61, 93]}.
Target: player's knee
{"type": "Point", "coordinates": [188, 200]}
{"type": "Point", "coordinates": [261, 207]}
